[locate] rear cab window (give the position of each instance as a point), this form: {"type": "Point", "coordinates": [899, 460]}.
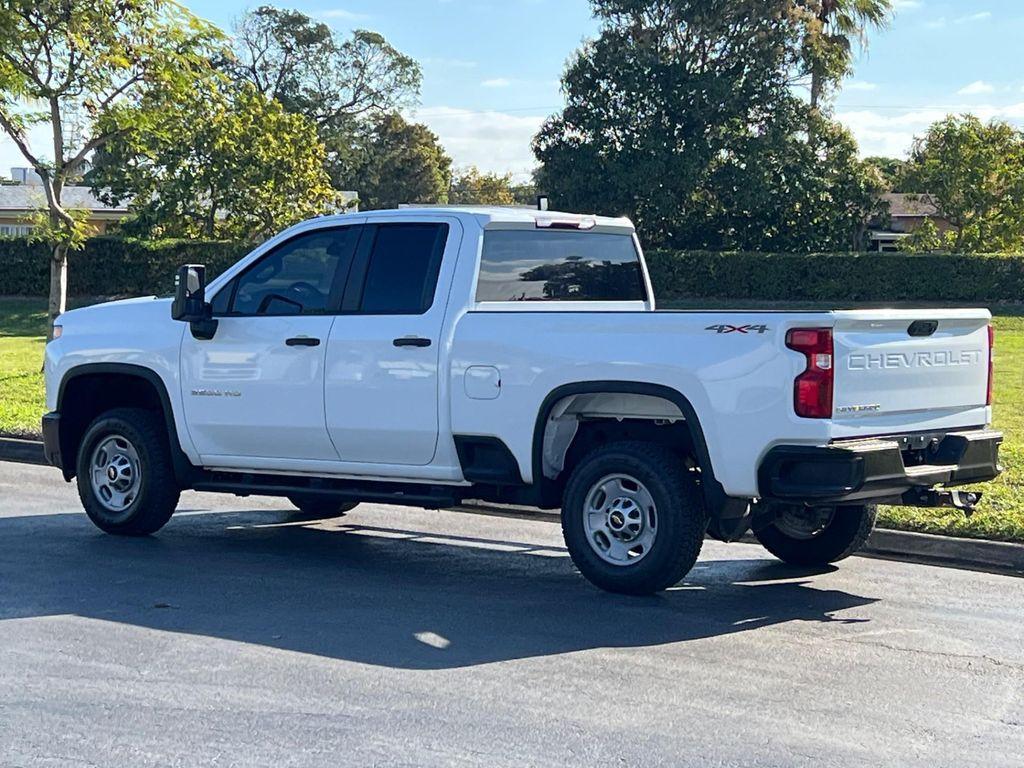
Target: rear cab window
{"type": "Point", "coordinates": [534, 265]}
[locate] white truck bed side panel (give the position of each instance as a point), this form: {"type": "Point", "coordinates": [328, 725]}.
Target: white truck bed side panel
{"type": "Point", "coordinates": [737, 382]}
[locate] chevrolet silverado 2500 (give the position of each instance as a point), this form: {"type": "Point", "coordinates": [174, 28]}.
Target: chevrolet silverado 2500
{"type": "Point", "coordinates": [427, 357]}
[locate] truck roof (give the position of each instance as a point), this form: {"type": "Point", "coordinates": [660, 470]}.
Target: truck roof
{"type": "Point", "coordinates": [497, 215]}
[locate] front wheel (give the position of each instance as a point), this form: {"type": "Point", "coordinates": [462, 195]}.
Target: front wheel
{"type": "Point", "coordinates": [817, 536]}
{"type": "Point", "coordinates": [125, 476]}
{"type": "Point", "coordinates": [633, 518]}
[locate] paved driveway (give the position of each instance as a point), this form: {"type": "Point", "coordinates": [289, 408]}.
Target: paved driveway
{"type": "Point", "coordinates": [403, 637]}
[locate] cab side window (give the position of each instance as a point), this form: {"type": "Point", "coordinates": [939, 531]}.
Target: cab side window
{"type": "Point", "coordinates": [403, 268]}
{"type": "Point", "coordinates": [303, 276]}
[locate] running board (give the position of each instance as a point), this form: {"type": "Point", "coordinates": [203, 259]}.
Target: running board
{"type": "Point", "coordinates": [409, 494]}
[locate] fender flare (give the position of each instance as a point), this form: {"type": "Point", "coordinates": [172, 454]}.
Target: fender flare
{"type": "Point", "coordinates": [184, 471]}
{"type": "Point", "coordinates": [714, 493]}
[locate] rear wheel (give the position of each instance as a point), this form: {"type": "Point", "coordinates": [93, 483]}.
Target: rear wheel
{"type": "Point", "coordinates": [818, 536]}
{"type": "Point", "coordinates": [633, 518]}
{"type": "Point", "coordinates": [320, 507]}
{"type": "Point", "coordinates": [124, 473]}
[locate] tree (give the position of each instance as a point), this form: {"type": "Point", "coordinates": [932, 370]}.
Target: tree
{"type": "Point", "coordinates": [399, 162]}
{"type": "Point", "coordinates": [787, 192]}
{"type": "Point", "coordinates": [974, 172]}
{"type": "Point", "coordinates": [471, 187]}
{"type": "Point", "coordinates": [246, 170]}
{"type": "Point", "coordinates": [831, 29]}
{"type": "Point", "coordinates": [335, 82]}
{"type": "Point", "coordinates": [892, 172]}
{"type": "Point", "coordinates": [301, 63]}
{"type": "Point", "coordinates": [87, 62]}
{"type": "Point", "coordinates": [681, 115]}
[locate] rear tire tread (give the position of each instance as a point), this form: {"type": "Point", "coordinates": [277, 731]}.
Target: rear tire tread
{"type": "Point", "coordinates": [682, 518]}
{"type": "Point", "coordinates": [845, 535]}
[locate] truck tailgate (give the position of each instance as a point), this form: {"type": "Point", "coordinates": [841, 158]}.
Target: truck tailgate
{"type": "Point", "coordinates": [900, 369]}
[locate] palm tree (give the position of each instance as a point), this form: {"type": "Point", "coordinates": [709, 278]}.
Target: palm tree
{"type": "Point", "coordinates": [831, 29]}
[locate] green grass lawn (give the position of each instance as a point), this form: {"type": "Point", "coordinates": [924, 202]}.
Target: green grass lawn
{"type": "Point", "coordinates": [22, 339]}
{"type": "Point", "coordinates": [1000, 516]}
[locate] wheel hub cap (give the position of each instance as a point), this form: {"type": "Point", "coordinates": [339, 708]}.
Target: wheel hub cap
{"type": "Point", "coordinates": [620, 519]}
{"type": "Point", "coordinates": [115, 475]}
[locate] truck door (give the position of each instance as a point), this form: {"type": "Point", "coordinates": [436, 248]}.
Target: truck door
{"type": "Point", "coordinates": [381, 392]}
{"type": "Point", "coordinates": [257, 388]}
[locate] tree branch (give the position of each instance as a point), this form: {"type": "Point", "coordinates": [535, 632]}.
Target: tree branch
{"type": "Point", "coordinates": [18, 138]}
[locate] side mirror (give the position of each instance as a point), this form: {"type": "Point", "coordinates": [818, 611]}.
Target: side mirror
{"type": "Point", "coordinates": [189, 303]}
{"type": "Point", "coordinates": [189, 293]}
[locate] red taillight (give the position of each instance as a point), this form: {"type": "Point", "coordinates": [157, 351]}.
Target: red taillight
{"type": "Point", "coordinates": [812, 390]}
{"type": "Point", "coordinates": [991, 363]}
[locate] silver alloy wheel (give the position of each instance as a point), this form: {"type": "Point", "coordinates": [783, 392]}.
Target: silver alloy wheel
{"type": "Point", "coordinates": [115, 473]}
{"type": "Point", "coordinates": [804, 523]}
{"type": "Point", "coordinates": [620, 519]}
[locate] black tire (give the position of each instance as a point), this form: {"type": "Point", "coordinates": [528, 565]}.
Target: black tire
{"type": "Point", "coordinates": [320, 507]}
{"type": "Point", "coordinates": [681, 518]}
{"type": "Point", "coordinates": [844, 535]}
{"type": "Point", "coordinates": [152, 505]}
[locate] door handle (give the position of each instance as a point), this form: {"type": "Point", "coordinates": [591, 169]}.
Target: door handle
{"type": "Point", "coordinates": [411, 341]}
{"type": "Point", "coordinates": [303, 341]}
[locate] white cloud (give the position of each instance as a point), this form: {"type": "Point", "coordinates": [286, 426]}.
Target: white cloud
{"type": "Point", "coordinates": [980, 16]}
{"type": "Point", "coordinates": [860, 85]}
{"type": "Point", "coordinates": [495, 142]}
{"type": "Point", "coordinates": [497, 82]}
{"type": "Point", "coordinates": [975, 88]}
{"type": "Point", "coordinates": [892, 134]}
{"type": "Point", "coordinates": [446, 63]}
{"type": "Point", "coordinates": [341, 13]}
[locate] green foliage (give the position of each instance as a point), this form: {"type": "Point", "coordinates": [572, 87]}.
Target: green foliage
{"type": "Point", "coordinates": [400, 162]}
{"type": "Point", "coordinates": [246, 170]}
{"type": "Point", "coordinates": [925, 239]}
{"type": "Point", "coordinates": [111, 266]}
{"type": "Point", "coordinates": [471, 187]}
{"type": "Point", "coordinates": [303, 64]}
{"type": "Point", "coordinates": [975, 173]}
{"type": "Point", "coordinates": [891, 171]}
{"type": "Point", "coordinates": [682, 116]}
{"type": "Point", "coordinates": [89, 64]}
{"type": "Point", "coordinates": [838, 277]}
{"type": "Point", "coordinates": [830, 29]}
{"type": "Point", "coordinates": [336, 82]}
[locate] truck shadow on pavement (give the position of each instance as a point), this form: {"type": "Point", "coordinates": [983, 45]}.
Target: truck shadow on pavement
{"type": "Point", "coordinates": [378, 595]}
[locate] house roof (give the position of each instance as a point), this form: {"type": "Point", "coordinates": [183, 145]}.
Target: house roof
{"type": "Point", "coordinates": [903, 204]}
{"type": "Point", "coordinates": [30, 197]}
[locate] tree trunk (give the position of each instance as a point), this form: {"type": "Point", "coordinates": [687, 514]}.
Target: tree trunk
{"type": "Point", "coordinates": [58, 286]}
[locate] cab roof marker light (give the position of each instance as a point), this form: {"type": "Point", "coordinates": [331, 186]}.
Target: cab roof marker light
{"type": "Point", "coordinates": [587, 222]}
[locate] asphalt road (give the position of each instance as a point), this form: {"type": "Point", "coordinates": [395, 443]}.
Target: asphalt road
{"type": "Point", "coordinates": [403, 637]}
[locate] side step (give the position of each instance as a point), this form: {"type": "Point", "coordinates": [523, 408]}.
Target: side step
{"type": "Point", "coordinates": [410, 494]}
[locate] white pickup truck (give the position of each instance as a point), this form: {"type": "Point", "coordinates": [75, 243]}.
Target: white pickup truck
{"type": "Point", "coordinates": [427, 357]}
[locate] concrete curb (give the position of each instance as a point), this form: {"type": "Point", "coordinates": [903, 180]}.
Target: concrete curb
{"type": "Point", "coordinates": [971, 554]}
{"type": "Point", "coordinates": [21, 450]}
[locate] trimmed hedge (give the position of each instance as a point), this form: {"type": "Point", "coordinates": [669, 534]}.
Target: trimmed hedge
{"type": "Point", "coordinates": [838, 277]}
{"type": "Point", "coordinates": [111, 266]}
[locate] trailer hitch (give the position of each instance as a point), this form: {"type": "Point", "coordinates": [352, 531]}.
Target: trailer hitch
{"type": "Point", "coordinates": [965, 501]}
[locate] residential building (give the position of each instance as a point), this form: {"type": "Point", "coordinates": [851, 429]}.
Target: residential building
{"type": "Point", "coordinates": [906, 213]}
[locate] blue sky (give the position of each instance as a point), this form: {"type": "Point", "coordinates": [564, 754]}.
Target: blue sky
{"type": "Point", "coordinates": [491, 67]}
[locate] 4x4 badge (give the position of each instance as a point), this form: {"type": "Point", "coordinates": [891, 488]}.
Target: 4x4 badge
{"type": "Point", "coordinates": [738, 328]}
